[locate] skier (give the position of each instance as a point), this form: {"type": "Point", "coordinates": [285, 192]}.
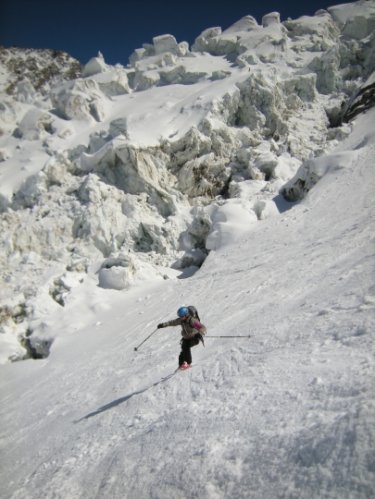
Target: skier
{"type": "Point", "coordinates": [192, 332]}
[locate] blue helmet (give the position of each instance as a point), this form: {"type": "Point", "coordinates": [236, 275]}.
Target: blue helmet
{"type": "Point", "coordinates": [183, 312]}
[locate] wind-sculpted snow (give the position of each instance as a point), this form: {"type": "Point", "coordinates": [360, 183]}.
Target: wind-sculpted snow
{"type": "Point", "coordinates": [154, 165]}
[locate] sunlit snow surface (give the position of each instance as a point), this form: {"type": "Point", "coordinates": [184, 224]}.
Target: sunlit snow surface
{"type": "Point", "coordinates": [286, 413]}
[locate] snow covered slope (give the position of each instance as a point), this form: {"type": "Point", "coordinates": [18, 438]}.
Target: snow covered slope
{"type": "Point", "coordinates": [115, 187]}
{"type": "Point", "coordinates": [286, 413]}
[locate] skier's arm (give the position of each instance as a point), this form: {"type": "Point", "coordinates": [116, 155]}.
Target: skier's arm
{"type": "Point", "coordinates": [198, 326]}
{"type": "Point", "coordinates": [173, 322]}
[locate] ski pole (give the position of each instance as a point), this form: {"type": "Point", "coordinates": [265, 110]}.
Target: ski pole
{"type": "Point", "coordinates": [149, 336]}
{"type": "Point", "coordinates": [228, 336]}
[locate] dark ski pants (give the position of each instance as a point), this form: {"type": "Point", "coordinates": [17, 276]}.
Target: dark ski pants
{"type": "Point", "coordinates": [185, 355]}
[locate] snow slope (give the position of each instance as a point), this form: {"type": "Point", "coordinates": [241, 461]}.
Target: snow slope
{"type": "Point", "coordinates": [115, 187]}
{"type": "Point", "coordinates": [286, 413]}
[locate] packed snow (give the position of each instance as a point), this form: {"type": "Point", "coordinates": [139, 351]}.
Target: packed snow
{"type": "Point", "coordinates": [210, 176]}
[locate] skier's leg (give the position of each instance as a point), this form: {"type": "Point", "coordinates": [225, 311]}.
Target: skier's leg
{"type": "Point", "coordinates": [181, 358]}
{"type": "Point", "coordinates": [188, 352]}
{"type": "Point", "coordinates": [185, 354]}
{"type": "Point", "coordinates": [192, 343]}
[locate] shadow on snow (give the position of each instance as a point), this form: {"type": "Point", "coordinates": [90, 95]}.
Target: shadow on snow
{"type": "Point", "coordinates": [121, 400]}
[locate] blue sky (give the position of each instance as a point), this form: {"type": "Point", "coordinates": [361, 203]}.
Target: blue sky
{"type": "Point", "coordinates": [117, 27]}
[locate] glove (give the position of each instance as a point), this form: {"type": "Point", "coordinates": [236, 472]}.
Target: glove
{"type": "Point", "coordinates": [160, 325]}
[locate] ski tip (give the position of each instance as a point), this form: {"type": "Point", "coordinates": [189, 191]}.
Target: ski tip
{"type": "Point", "coordinates": [135, 349]}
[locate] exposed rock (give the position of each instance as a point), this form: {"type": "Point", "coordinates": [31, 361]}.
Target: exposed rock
{"type": "Point", "coordinates": [362, 101]}
{"type": "Point", "coordinates": [40, 67]}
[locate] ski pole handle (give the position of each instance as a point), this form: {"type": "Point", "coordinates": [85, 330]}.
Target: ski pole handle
{"type": "Point", "coordinates": [144, 341]}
